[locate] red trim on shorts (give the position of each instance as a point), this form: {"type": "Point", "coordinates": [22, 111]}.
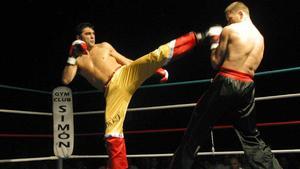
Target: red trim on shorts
{"type": "Point", "coordinates": [235, 74]}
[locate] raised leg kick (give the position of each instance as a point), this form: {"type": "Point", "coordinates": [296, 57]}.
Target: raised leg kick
{"type": "Point", "coordinates": [126, 81]}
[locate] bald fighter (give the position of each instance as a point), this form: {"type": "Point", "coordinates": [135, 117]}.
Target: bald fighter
{"type": "Point", "coordinates": [236, 52]}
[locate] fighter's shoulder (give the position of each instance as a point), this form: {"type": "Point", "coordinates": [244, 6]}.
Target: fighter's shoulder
{"type": "Point", "coordinates": [103, 45]}
{"type": "Point", "coordinates": [100, 47]}
{"type": "Point", "coordinates": [229, 28]}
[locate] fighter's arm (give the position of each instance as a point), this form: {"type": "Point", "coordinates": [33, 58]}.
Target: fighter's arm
{"type": "Point", "coordinates": [119, 58]}
{"type": "Point", "coordinates": [69, 73]}
{"type": "Point", "coordinates": [77, 48]}
{"type": "Point", "coordinates": [218, 54]}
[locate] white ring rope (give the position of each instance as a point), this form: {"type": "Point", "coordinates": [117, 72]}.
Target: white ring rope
{"type": "Point", "coordinates": [25, 112]}
{"type": "Point", "coordinates": [142, 109]}
{"type": "Point", "coordinates": [138, 109]}
{"type": "Point", "coordinates": [147, 108]}
{"type": "Point", "coordinates": [187, 105]}
{"type": "Point", "coordinates": [284, 96]}
{"type": "Point", "coordinates": [28, 159]}
{"type": "Point", "coordinates": [142, 155]}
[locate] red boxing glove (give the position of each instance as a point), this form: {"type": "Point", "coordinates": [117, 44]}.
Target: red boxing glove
{"type": "Point", "coordinates": [214, 33]}
{"type": "Point", "coordinates": [164, 74]}
{"type": "Point", "coordinates": [78, 47]}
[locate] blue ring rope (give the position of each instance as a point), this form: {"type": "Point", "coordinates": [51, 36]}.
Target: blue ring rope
{"type": "Point", "coordinates": [153, 85]}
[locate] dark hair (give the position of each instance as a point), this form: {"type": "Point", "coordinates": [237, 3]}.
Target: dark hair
{"type": "Point", "coordinates": [81, 26]}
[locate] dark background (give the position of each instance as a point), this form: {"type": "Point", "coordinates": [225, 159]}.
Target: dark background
{"type": "Point", "coordinates": [36, 37]}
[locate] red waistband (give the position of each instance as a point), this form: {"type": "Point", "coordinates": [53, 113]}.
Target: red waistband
{"type": "Point", "coordinates": [235, 74]}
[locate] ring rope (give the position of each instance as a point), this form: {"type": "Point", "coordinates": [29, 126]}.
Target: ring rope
{"type": "Point", "coordinates": [25, 112]}
{"type": "Point", "coordinates": [196, 81]}
{"type": "Point", "coordinates": [187, 105]}
{"type": "Point", "coordinates": [24, 89]}
{"type": "Point", "coordinates": [141, 155]}
{"type": "Point", "coordinates": [277, 71]}
{"type": "Point", "coordinates": [14, 135]}
{"type": "Point", "coordinates": [153, 85]}
{"type": "Point", "coordinates": [147, 108]}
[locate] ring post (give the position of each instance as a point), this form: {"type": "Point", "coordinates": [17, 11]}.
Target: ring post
{"type": "Point", "coordinates": [63, 123]}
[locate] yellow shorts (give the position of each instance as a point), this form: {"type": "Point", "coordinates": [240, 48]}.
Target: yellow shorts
{"type": "Point", "coordinates": [125, 82]}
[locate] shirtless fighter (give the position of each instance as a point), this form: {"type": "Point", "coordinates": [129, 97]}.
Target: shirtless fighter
{"type": "Point", "coordinates": [236, 52]}
{"type": "Point", "coordinates": [119, 77]}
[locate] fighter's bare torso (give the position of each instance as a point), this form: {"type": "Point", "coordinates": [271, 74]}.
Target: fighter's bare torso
{"type": "Point", "coordinates": [99, 65]}
{"type": "Point", "coordinates": [245, 47]}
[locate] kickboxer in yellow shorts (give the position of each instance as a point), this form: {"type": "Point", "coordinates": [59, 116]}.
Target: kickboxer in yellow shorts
{"type": "Point", "coordinates": [119, 77]}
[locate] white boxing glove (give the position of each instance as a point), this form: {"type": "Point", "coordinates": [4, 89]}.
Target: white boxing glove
{"type": "Point", "coordinates": [213, 34]}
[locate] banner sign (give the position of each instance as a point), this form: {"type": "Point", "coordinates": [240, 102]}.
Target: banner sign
{"type": "Point", "coordinates": [63, 123]}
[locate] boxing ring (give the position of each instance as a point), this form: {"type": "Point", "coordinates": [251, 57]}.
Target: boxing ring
{"type": "Point", "coordinates": [213, 149]}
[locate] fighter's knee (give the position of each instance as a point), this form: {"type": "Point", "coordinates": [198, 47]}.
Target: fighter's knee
{"type": "Point", "coordinates": [166, 49]}
{"type": "Point", "coordinates": [161, 54]}
{"type": "Point", "coordinates": [165, 52]}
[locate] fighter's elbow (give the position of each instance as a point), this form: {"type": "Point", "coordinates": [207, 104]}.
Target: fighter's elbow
{"type": "Point", "coordinates": [65, 81]}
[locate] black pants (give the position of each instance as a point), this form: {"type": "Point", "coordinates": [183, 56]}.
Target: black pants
{"type": "Point", "coordinates": [230, 97]}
